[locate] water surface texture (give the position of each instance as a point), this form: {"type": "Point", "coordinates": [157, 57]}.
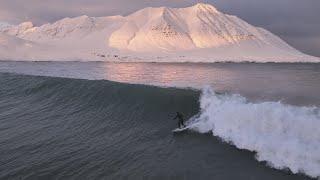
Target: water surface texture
{"type": "Point", "coordinates": [76, 124]}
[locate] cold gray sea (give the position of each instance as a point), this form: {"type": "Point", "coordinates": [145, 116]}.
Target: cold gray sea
{"type": "Point", "coordinates": [96, 120]}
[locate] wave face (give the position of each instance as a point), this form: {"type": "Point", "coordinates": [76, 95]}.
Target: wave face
{"type": "Point", "coordinates": [283, 135]}
{"type": "Point", "coordinates": [57, 128]}
{"type": "Point", "coordinates": [60, 128]}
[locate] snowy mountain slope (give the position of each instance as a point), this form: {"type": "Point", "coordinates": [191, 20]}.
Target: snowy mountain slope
{"type": "Point", "coordinates": [11, 45]}
{"type": "Point", "coordinates": [200, 26]}
{"type": "Point", "coordinates": [197, 33]}
{"type": "Point", "coordinates": [4, 25]}
{"type": "Point", "coordinates": [63, 29]}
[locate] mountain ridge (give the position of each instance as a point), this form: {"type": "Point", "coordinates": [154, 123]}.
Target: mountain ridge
{"type": "Point", "coordinates": [196, 32]}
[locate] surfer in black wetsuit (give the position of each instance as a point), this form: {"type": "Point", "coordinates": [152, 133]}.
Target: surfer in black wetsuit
{"type": "Point", "coordinates": [179, 116]}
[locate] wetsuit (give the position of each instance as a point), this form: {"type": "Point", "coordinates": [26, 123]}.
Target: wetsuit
{"type": "Point", "coordinates": [179, 116]}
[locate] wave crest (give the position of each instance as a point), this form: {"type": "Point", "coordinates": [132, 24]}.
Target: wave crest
{"type": "Point", "coordinates": [284, 136]}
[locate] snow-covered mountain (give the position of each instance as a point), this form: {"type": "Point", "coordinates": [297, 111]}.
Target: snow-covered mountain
{"type": "Point", "coordinates": [4, 25]}
{"type": "Point", "coordinates": [197, 33]}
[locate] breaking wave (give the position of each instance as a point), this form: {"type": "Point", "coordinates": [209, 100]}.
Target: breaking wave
{"type": "Point", "coordinates": [285, 136]}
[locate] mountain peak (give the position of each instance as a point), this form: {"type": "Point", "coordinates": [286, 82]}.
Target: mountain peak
{"type": "Point", "coordinates": [154, 31]}
{"type": "Point", "coordinates": [27, 24]}
{"type": "Point", "coordinates": [205, 7]}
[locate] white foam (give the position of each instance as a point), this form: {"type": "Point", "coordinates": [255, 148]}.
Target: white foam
{"type": "Point", "coordinates": [284, 136]}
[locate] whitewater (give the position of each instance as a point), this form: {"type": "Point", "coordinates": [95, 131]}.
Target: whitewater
{"type": "Point", "coordinates": [271, 110]}
{"type": "Point", "coordinates": [285, 136]}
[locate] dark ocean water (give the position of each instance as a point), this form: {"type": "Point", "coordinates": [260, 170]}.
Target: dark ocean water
{"type": "Point", "coordinates": [66, 128]}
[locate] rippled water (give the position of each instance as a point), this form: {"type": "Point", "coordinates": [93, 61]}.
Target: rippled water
{"type": "Point", "coordinates": [291, 83]}
{"type": "Point", "coordinates": [68, 128]}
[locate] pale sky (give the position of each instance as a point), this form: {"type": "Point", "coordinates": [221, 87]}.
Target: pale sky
{"type": "Point", "coordinates": [295, 21]}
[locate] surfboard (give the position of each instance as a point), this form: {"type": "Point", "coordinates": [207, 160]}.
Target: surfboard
{"type": "Point", "coordinates": [180, 130]}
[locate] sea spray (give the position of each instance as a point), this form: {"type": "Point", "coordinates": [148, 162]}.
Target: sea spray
{"type": "Point", "coordinates": [285, 136]}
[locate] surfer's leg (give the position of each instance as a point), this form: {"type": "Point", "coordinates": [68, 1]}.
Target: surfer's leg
{"type": "Point", "coordinates": [183, 124]}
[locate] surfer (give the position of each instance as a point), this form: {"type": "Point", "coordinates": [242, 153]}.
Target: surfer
{"type": "Point", "coordinates": [179, 116]}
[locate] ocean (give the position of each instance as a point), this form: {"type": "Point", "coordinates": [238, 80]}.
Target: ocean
{"type": "Point", "coordinates": [99, 120]}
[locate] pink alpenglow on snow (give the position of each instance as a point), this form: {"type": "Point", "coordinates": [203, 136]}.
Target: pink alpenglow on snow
{"type": "Point", "coordinates": [199, 33]}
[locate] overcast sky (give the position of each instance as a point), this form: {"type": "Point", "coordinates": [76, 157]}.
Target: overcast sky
{"type": "Point", "coordinates": [295, 21]}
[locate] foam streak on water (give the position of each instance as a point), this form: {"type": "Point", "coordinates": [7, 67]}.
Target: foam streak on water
{"type": "Point", "coordinates": [283, 135]}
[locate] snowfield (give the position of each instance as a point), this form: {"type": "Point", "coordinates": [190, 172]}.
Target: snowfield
{"type": "Point", "coordinates": [194, 34]}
